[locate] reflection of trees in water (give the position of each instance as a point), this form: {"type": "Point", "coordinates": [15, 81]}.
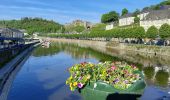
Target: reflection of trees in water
{"type": "Point", "coordinates": [40, 51]}
{"type": "Point", "coordinates": [78, 52]}
{"type": "Point", "coordinates": [161, 78]}
{"type": "Point", "coordinates": [149, 72]}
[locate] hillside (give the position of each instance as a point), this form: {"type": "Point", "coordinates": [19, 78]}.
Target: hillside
{"type": "Point", "coordinates": [158, 6]}
{"type": "Point", "coordinates": [32, 25]}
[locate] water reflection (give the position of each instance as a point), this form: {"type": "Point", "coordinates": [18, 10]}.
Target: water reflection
{"type": "Point", "coordinates": [43, 75]}
{"type": "Point", "coordinates": [153, 77]}
{"type": "Point", "coordinates": [162, 78]}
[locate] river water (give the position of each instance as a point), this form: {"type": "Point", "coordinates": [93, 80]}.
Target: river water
{"type": "Point", "coordinates": [43, 75]}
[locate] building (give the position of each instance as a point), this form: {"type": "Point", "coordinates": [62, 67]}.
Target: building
{"type": "Point", "coordinates": [127, 19]}
{"type": "Point", "coordinates": [10, 37]}
{"type": "Point", "coordinates": [156, 18]}
{"type": "Point", "coordinates": [86, 24]}
{"type": "Point", "coordinates": [11, 33]}
{"type": "Point", "coordinates": [144, 13]}
{"type": "Point", "coordinates": [110, 26]}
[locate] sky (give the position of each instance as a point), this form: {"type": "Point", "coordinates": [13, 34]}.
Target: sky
{"type": "Point", "coordinates": [65, 11]}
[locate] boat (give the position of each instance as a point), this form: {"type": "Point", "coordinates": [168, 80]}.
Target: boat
{"type": "Point", "coordinates": [45, 44]}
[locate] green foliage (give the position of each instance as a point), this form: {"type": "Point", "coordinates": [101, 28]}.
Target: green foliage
{"type": "Point", "coordinates": [166, 2]}
{"type": "Point", "coordinates": [136, 12]}
{"type": "Point", "coordinates": [132, 32]}
{"type": "Point", "coordinates": [162, 78]}
{"type": "Point", "coordinates": [139, 32]}
{"type": "Point", "coordinates": [152, 32]}
{"type": "Point", "coordinates": [79, 29]}
{"type": "Point", "coordinates": [136, 20]}
{"type": "Point", "coordinates": [164, 31]}
{"type": "Point", "coordinates": [124, 11]}
{"type": "Point", "coordinates": [110, 17]}
{"type": "Point", "coordinates": [158, 6]}
{"type": "Point", "coordinates": [149, 72]}
{"type": "Point", "coordinates": [33, 25]}
{"type": "Point", "coordinates": [74, 28]}
{"type": "Point", "coordinates": [115, 74]}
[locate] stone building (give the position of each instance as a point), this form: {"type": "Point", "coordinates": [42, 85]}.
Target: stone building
{"type": "Point", "coordinates": [127, 19]}
{"type": "Point", "coordinates": [86, 24]}
{"type": "Point", "coordinates": [10, 37]}
{"type": "Point", "coordinates": [156, 18]}
{"type": "Point", "coordinates": [11, 33]}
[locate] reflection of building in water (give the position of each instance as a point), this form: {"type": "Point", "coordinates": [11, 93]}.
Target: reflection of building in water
{"type": "Point", "coordinates": [8, 79]}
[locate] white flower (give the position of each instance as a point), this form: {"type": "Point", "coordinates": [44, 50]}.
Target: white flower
{"type": "Point", "coordinates": [95, 85]}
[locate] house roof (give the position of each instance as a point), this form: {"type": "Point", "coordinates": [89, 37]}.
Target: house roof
{"type": "Point", "coordinates": [127, 15]}
{"type": "Point", "coordinates": [10, 29]}
{"type": "Point", "coordinates": [158, 15]}
{"type": "Point", "coordinates": [165, 7]}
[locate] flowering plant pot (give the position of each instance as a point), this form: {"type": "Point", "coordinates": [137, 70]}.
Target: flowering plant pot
{"type": "Point", "coordinates": [100, 80]}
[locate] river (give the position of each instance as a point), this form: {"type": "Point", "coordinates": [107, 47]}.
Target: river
{"type": "Point", "coordinates": [43, 75]}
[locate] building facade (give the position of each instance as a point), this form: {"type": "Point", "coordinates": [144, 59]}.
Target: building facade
{"type": "Point", "coordinates": [127, 19]}
{"type": "Point", "coordinates": [11, 33]}
{"type": "Point", "coordinates": [86, 24]}
{"type": "Point", "coordinates": [156, 18]}
{"type": "Point", "coordinates": [109, 26]}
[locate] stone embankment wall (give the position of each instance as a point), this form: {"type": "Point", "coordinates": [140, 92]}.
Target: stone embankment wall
{"type": "Point", "coordinates": [142, 54]}
{"type": "Point", "coordinates": [155, 50]}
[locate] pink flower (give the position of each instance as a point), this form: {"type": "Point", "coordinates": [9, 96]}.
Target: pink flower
{"type": "Point", "coordinates": [134, 66]}
{"type": "Point", "coordinates": [113, 67]}
{"type": "Point", "coordinates": [80, 85]}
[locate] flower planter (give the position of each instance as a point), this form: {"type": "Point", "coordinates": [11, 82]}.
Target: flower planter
{"type": "Point", "coordinates": [108, 79]}
{"type": "Point", "coordinates": [101, 90]}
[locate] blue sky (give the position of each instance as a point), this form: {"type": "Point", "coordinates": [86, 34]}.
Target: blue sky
{"type": "Point", "coordinates": [64, 11]}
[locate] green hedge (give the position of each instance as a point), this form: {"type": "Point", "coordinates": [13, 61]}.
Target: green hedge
{"type": "Point", "coordinates": [130, 32]}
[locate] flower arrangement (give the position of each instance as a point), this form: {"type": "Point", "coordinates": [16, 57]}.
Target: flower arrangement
{"type": "Point", "coordinates": [118, 74]}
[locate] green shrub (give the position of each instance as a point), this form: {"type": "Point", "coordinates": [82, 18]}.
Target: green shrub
{"type": "Point", "coordinates": [164, 31]}
{"type": "Point", "coordinates": [152, 32]}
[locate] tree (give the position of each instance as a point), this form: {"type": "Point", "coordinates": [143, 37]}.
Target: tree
{"type": "Point", "coordinates": [110, 17]}
{"type": "Point", "coordinates": [136, 12]}
{"type": "Point", "coordinates": [152, 32]}
{"type": "Point", "coordinates": [164, 31]}
{"type": "Point", "coordinates": [166, 2]}
{"type": "Point", "coordinates": [136, 20]}
{"type": "Point", "coordinates": [79, 29]}
{"type": "Point", "coordinates": [138, 32]}
{"type": "Point", "coordinates": [124, 11]}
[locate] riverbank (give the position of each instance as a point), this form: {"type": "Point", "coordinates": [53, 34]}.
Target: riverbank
{"type": "Point", "coordinates": [143, 54]}
{"type": "Point", "coordinates": [149, 49]}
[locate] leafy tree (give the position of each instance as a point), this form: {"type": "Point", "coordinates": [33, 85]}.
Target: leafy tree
{"type": "Point", "coordinates": [136, 20]}
{"type": "Point", "coordinates": [124, 11]}
{"type": "Point", "coordinates": [146, 8]}
{"type": "Point", "coordinates": [152, 32]}
{"type": "Point", "coordinates": [164, 31]}
{"type": "Point", "coordinates": [137, 11]}
{"type": "Point", "coordinates": [138, 32]}
{"type": "Point", "coordinates": [110, 17]}
{"type": "Point", "coordinates": [166, 2]}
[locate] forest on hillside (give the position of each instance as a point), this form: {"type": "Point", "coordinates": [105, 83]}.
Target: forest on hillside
{"type": "Point", "coordinates": [32, 25]}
